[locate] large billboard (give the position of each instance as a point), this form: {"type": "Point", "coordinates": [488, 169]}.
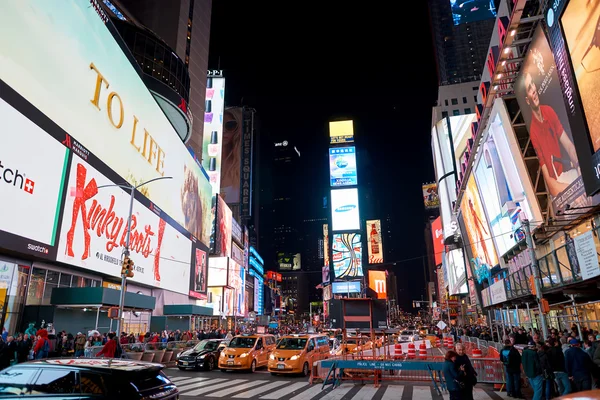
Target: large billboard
{"type": "Point", "coordinates": [223, 225]}
{"type": "Point", "coordinates": [378, 283]}
{"type": "Point", "coordinates": [33, 168]}
{"type": "Point", "coordinates": [94, 227]}
{"type": "Point", "coordinates": [540, 98]}
{"type": "Point", "coordinates": [218, 269]}
{"type": "Point", "coordinates": [374, 242]}
{"type": "Point", "coordinates": [344, 210]}
{"type": "Point", "coordinates": [326, 265]}
{"type": "Point", "coordinates": [342, 166]}
{"type": "Point", "coordinates": [236, 280]}
{"type": "Point", "coordinates": [506, 192]}
{"type": "Point", "coordinates": [574, 34]}
{"type": "Point", "coordinates": [430, 196]}
{"type": "Point", "coordinates": [341, 132]}
{"type": "Point", "coordinates": [347, 255]}
{"type": "Point", "coordinates": [231, 160]}
{"type": "Point", "coordinates": [438, 240]}
{"type": "Point", "coordinates": [91, 89]}
{"type": "Point", "coordinates": [464, 11]}
{"type": "Point", "coordinates": [212, 141]}
{"type": "Point", "coordinates": [199, 274]}
{"type": "Point", "coordinates": [456, 272]}
{"type": "Point", "coordinates": [477, 227]}
{"type": "Point", "coordinates": [289, 262]}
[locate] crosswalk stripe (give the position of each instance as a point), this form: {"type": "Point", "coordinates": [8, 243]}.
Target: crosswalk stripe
{"type": "Point", "coordinates": [480, 394]}
{"type": "Point", "coordinates": [225, 392]}
{"type": "Point", "coordinates": [262, 389]}
{"type": "Point", "coordinates": [422, 393]}
{"type": "Point", "coordinates": [179, 378]}
{"type": "Point", "coordinates": [308, 394]}
{"type": "Point", "coordinates": [286, 390]}
{"type": "Point", "coordinates": [338, 392]}
{"type": "Point", "coordinates": [365, 393]}
{"type": "Point", "coordinates": [393, 392]}
{"type": "Point", "coordinates": [212, 388]}
{"type": "Point", "coordinates": [187, 385]}
{"type": "Point", "coordinates": [190, 381]}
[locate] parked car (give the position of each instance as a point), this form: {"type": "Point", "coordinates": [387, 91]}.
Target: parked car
{"type": "Point", "coordinates": [84, 378]}
{"type": "Point", "coordinates": [203, 355]}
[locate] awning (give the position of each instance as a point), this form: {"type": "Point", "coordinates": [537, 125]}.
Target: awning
{"type": "Point", "coordinates": [99, 297]}
{"type": "Point", "coordinates": [186, 309]}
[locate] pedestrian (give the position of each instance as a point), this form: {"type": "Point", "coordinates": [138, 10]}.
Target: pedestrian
{"type": "Point", "coordinates": [556, 358]}
{"type": "Point", "coordinates": [511, 358]}
{"type": "Point", "coordinates": [470, 376]}
{"type": "Point", "coordinates": [452, 375]}
{"type": "Point", "coordinates": [579, 366]}
{"type": "Point", "coordinates": [42, 345]}
{"type": "Point", "coordinates": [109, 348]}
{"type": "Point", "coordinates": [80, 345]}
{"type": "Point", "coordinates": [533, 371]}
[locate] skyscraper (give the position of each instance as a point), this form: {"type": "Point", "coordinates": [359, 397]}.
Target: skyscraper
{"type": "Point", "coordinates": [461, 38]}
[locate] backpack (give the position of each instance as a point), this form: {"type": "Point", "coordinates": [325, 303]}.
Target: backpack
{"type": "Point", "coordinates": [505, 356]}
{"type": "Point", "coordinates": [118, 350]}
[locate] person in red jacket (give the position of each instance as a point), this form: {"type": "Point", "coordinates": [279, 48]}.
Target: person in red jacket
{"type": "Point", "coordinates": [109, 348]}
{"type": "Point", "coordinates": [42, 345]}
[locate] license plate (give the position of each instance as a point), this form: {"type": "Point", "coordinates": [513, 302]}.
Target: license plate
{"type": "Point", "coordinates": [184, 362]}
{"type": "Point", "coordinates": [280, 366]}
{"type": "Point", "coordinates": [229, 362]}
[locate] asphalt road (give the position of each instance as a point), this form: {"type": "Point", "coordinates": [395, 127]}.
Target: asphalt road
{"type": "Point", "coordinates": [262, 385]}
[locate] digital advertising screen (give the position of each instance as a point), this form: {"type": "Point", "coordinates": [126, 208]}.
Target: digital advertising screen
{"type": "Point", "coordinates": [374, 244]}
{"type": "Point", "coordinates": [442, 157]}
{"type": "Point", "coordinates": [231, 155]}
{"type": "Point", "coordinates": [212, 141]}
{"type": "Point", "coordinates": [345, 287]}
{"type": "Point", "coordinates": [199, 273]}
{"type": "Point", "coordinates": [477, 227]}
{"type": "Point", "coordinates": [455, 266]}
{"type": "Point", "coordinates": [97, 96]}
{"type": "Point", "coordinates": [342, 166]}
{"type": "Point", "coordinates": [378, 283]}
{"type": "Point", "coordinates": [460, 126]}
{"type": "Point", "coordinates": [472, 10]}
{"type": "Point", "coordinates": [345, 214]}
{"type": "Point", "coordinates": [341, 132]}
{"type": "Point", "coordinates": [347, 255]}
{"type": "Point", "coordinates": [431, 200]}
{"type": "Point", "coordinates": [223, 229]}
{"type": "Point", "coordinates": [218, 268]}
{"type": "Point", "coordinates": [503, 183]}
{"type": "Point", "coordinates": [540, 98]}
{"type": "Point", "coordinates": [438, 239]}
{"type": "Point", "coordinates": [326, 262]}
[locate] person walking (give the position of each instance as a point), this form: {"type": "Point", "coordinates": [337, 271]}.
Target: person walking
{"type": "Point", "coordinates": [470, 376]}
{"type": "Point", "coordinates": [533, 371]}
{"type": "Point", "coordinates": [511, 358]}
{"type": "Point", "coordinates": [452, 375]}
{"type": "Point", "coordinates": [109, 348]}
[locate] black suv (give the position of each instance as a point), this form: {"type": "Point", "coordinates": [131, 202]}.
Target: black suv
{"type": "Point", "coordinates": [84, 378]}
{"type": "Point", "coordinates": [203, 355]}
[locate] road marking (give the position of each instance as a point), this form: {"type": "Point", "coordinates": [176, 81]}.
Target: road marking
{"type": "Point", "coordinates": [421, 393]}
{"type": "Point", "coordinates": [365, 393]}
{"type": "Point", "coordinates": [262, 389]}
{"type": "Point", "coordinates": [185, 385]}
{"type": "Point", "coordinates": [338, 392]}
{"type": "Point", "coordinates": [191, 382]}
{"type": "Point", "coordinates": [309, 394]}
{"type": "Point", "coordinates": [214, 387]}
{"type": "Point", "coordinates": [285, 391]}
{"type": "Point", "coordinates": [225, 392]}
{"type": "Point", "coordinates": [181, 378]}
{"type": "Point", "coordinates": [393, 392]}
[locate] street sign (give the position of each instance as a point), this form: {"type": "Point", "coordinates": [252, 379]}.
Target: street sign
{"type": "Point", "coordinates": [441, 325]}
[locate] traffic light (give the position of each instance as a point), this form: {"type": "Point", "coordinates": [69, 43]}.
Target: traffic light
{"type": "Point", "coordinates": [127, 268]}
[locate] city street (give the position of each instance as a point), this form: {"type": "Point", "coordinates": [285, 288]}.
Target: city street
{"type": "Point", "coordinates": [262, 385]}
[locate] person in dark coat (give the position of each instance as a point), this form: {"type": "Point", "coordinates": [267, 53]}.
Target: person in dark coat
{"type": "Point", "coordinates": [556, 358]}
{"type": "Point", "coordinates": [464, 363]}
{"type": "Point", "coordinates": [579, 367]}
{"type": "Point", "coordinates": [452, 375]}
{"type": "Point", "coordinates": [511, 359]}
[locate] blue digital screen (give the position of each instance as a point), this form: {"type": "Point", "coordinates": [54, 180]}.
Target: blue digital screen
{"type": "Point", "coordinates": [345, 287]}
{"type": "Point", "coordinates": [472, 10]}
{"type": "Point", "coordinates": [342, 166]}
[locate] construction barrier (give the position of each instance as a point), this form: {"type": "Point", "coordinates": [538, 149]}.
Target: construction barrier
{"type": "Point", "coordinates": [397, 351]}
{"type": "Point", "coordinates": [411, 351]}
{"type": "Point", "coordinates": [423, 351]}
{"type": "Point", "coordinates": [477, 353]}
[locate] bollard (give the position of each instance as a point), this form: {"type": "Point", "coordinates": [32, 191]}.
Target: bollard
{"type": "Point", "coordinates": [411, 351]}
{"type": "Point", "coordinates": [423, 351]}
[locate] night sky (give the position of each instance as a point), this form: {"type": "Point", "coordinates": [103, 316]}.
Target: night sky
{"type": "Point", "coordinates": [300, 66]}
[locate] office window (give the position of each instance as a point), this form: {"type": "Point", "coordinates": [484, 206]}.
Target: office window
{"type": "Point", "coordinates": [475, 88]}
{"type": "Point", "coordinates": [464, 100]}
{"type": "Point", "coordinates": [446, 101]}
{"type": "Point", "coordinates": [455, 112]}
{"type": "Point", "coordinates": [444, 114]}
{"type": "Point", "coordinates": [467, 111]}
{"type": "Point", "coordinates": [454, 102]}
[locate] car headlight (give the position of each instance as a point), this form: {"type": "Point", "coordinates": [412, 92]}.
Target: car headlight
{"type": "Point", "coordinates": [202, 356]}
{"type": "Point", "coordinates": [271, 357]}
{"type": "Point", "coordinates": [294, 358]}
{"type": "Point", "coordinates": [222, 355]}
{"type": "Point", "coordinates": [243, 355]}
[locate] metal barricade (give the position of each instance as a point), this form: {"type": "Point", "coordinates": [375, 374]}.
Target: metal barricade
{"type": "Point", "coordinates": [488, 370]}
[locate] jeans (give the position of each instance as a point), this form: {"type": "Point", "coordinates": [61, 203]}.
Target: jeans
{"type": "Point", "coordinates": [537, 384]}
{"type": "Point", "coordinates": [562, 380]}
{"type": "Point", "coordinates": [513, 383]}
{"type": "Point", "coordinates": [582, 383]}
{"type": "Point", "coordinates": [548, 388]}
{"type": "Point", "coordinates": [79, 353]}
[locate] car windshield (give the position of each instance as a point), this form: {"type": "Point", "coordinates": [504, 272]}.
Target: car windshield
{"type": "Point", "coordinates": [206, 345]}
{"type": "Point", "coordinates": [292, 344]}
{"type": "Point", "coordinates": [406, 333]}
{"type": "Point", "coordinates": [242, 342]}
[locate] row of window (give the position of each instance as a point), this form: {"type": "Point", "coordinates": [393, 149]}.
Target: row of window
{"type": "Point", "coordinates": [455, 101]}
{"type": "Point", "coordinates": [455, 112]}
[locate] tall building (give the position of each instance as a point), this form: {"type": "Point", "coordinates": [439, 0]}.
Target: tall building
{"type": "Point", "coordinates": [184, 26]}
{"type": "Point", "coordinates": [460, 41]}
{"type": "Point", "coordinates": [294, 294]}
{"type": "Point", "coordinates": [311, 248]}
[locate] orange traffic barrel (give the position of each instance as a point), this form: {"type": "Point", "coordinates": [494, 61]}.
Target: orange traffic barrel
{"type": "Point", "coordinates": [450, 342]}
{"type": "Point", "coordinates": [397, 350]}
{"type": "Point", "coordinates": [411, 351]}
{"type": "Point", "coordinates": [438, 342]}
{"type": "Point", "coordinates": [423, 351]}
{"type": "Point", "coordinates": [477, 353]}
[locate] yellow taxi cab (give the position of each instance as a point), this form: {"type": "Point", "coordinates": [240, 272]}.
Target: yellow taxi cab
{"type": "Point", "coordinates": [296, 354]}
{"type": "Point", "coordinates": [247, 352]}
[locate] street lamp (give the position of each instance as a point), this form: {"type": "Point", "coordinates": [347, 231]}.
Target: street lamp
{"type": "Point", "coordinates": [125, 253]}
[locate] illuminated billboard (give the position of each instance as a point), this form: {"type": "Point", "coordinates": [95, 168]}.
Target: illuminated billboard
{"type": "Point", "coordinates": [342, 166]}
{"type": "Point", "coordinates": [344, 210]}
{"type": "Point", "coordinates": [96, 95]}
{"type": "Point", "coordinates": [347, 255]}
{"type": "Point", "coordinates": [289, 262]}
{"type": "Point", "coordinates": [345, 287]}
{"type": "Point", "coordinates": [540, 98]}
{"type": "Point", "coordinates": [217, 271]}
{"type": "Point", "coordinates": [477, 227]}
{"type": "Point", "coordinates": [223, 228]}
{"type": "Point", "coordinates": [503, 183]}
{"type": "Point", "coordinates": [231, 155]}
{"type": "Point", "coordinates": [212, 143]}
{"type": "Point", "coordinates": [341, 132]}
{"type": "Point", "coordinates": [438, 239]}
{"type": "Point", "coordinates": [456, 272]}
{"type": "Point", "coordinates": [430, 196]}
{"type": "Point", "coordinates": [374, 243]}
{"type": "Point", "coordinates": [464, 11]}
{"type": "Point", "coordinates": [378, 283]}
{"type": "Point", "coordinates": [326, 266]}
